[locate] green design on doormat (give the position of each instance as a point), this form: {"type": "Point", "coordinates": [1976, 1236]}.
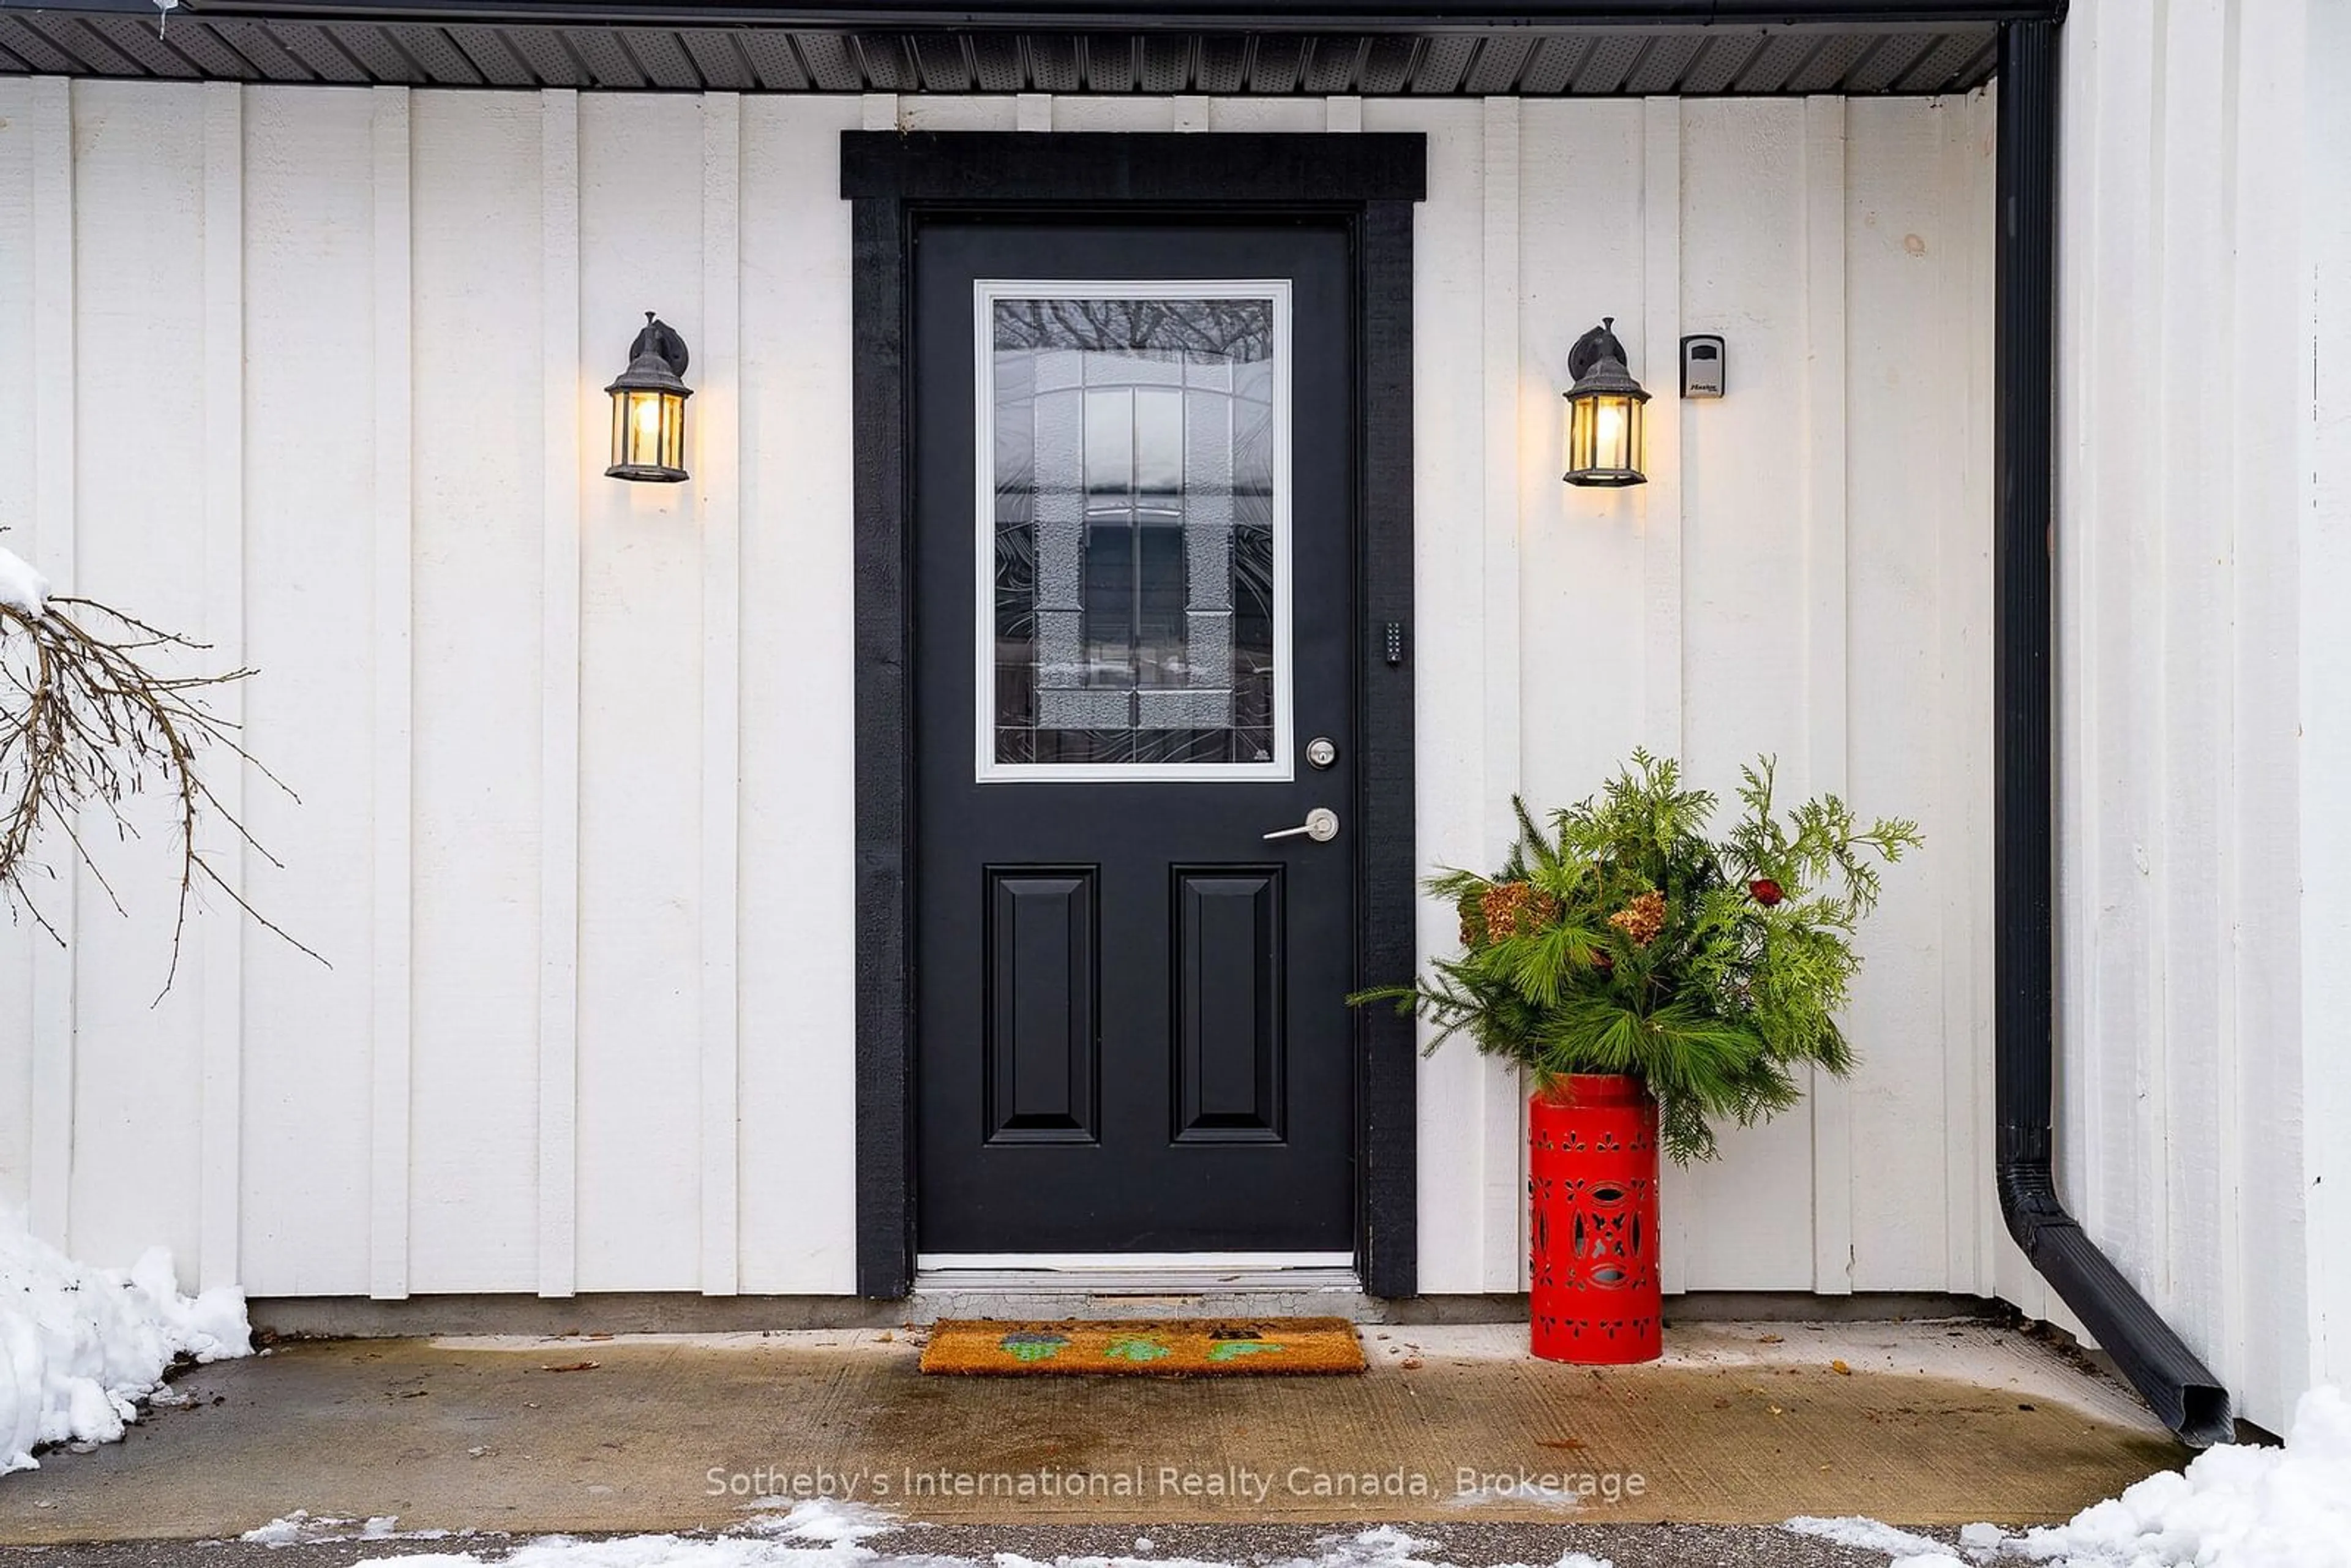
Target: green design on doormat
{"type": "Point", "coordinates": [1033, 1346]}
{"type": "Point", "coordinates": [1135, 1347]}
{"type": "Point", "coordinates": [1234, 1349]}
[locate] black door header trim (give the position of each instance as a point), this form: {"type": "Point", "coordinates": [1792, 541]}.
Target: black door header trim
{"type": "Point", "coordinates": [1133, 167]}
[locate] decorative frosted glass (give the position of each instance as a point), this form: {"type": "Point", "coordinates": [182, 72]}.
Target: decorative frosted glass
{"type": "Point", "coordinates": [1134, 508]}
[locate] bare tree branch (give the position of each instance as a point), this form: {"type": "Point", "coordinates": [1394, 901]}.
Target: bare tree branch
{"type": "Point", "coordinates": [87, 722]}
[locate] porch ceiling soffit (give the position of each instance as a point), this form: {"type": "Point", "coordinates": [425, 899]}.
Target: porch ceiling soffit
{"type": "Point", "coordinates": [1529, 47]}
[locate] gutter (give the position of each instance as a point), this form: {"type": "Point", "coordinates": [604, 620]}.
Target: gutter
{"type": "Point", "coordinates": [2168, 1374]}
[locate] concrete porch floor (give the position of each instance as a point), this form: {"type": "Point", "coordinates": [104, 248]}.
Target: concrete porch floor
{"type": "Point", "coordinates": [1920, 1422]}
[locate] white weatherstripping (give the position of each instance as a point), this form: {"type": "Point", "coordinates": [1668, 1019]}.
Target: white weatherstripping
{"type": "Point", "coordinates": [985, 292]}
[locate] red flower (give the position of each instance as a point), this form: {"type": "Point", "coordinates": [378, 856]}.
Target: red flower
{"type": "Point", "coordinates": [1765, 891]}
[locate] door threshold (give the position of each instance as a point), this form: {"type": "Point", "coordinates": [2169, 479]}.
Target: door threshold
{"type": "Point", "coordinates": [1134, 1273]}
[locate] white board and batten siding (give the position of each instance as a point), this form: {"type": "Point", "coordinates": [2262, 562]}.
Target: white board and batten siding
{"type": "Point", "coordinates": [2204, 550]}
{"type": "Point", "coordinates": [316, 372]}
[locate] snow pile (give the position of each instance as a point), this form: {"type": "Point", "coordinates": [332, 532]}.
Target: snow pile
{"type": "Point", "coordinates": [79, 1347]}
{"type": "Point", "coordinates": [1981, 1538]}
{"type": "Point", "coordinates": [2235, 1507]}
{"type": "Point", "coordinates": [303, 1528]}
{"type": "Point", "coordinates": [827, 1535]}
{"type": "Point", "coordinates": [21, 587]}
{"type": "Point", "coordinates": [830, 1522]}
{"type": "Point", "coordinates": [1865, 1534]}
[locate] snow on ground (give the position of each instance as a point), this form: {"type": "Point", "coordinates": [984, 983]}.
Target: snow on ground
{"type": "Point", "coordinates": [303, 1528]}
{"type": "Point", "coordinates": [22, 588]}
{"type": "Point", "coordinates": [830, 1521]}
{"type": "Point", "coordinates": [1867, 1534]}
{"type": "Point", "coordinates": [828, 1534]}
{"type": "Point", "coordinates": [79, 1347]}
{"type": "Point", "coordinates": [2237, 1506]}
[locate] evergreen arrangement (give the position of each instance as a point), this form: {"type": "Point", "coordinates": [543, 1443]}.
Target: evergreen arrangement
{"type": "Point", "coordinates": [1624, 939]}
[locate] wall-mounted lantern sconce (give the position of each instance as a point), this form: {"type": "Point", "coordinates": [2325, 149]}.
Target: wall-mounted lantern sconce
{"type": "Point", "coordinates": [1604, 411]}
{"type": "Point", "coordinates": [649, 408]}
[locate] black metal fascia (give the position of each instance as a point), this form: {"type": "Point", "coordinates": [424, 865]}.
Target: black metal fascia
{"type": "Point", "coordinates": [1212, 15]}
{"type": "Point", "coordinates": [2157, 1362]}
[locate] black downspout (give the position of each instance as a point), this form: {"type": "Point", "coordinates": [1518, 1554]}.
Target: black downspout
{"type": "Point", "coordinates": [2159, 1364]}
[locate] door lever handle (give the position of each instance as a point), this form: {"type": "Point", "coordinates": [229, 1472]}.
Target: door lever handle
{"type": "Point", "coordinates": [1321, 825]}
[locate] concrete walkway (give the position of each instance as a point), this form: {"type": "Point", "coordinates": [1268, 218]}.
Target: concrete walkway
{"type": "Point", "coordinates": [1923, 1424]}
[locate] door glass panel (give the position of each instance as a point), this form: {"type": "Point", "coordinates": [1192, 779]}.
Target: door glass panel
{"type": "Point", "coordinates": [1133, 570]}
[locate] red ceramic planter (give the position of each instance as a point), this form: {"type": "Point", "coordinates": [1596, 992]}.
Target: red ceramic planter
{"type": "Point", "coordinates": [1591, 1179]}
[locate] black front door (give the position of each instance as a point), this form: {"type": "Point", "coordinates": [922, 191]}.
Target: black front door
{"type": "Point", "coordinates": [1134, 503]}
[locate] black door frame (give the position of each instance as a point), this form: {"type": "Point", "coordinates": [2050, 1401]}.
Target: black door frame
{"type": "Point", "coordinates": [894, 182]}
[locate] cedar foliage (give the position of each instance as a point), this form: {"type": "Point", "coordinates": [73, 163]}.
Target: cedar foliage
{"type": "Point", "coordinates": [1621, 938]}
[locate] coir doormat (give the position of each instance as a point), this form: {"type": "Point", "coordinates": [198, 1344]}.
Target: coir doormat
{"type": "Point", "coordinates": [1205, 1347]}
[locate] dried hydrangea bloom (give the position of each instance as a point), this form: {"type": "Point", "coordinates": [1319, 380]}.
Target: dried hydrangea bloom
{"type": "Point", "coordinates": [1642, 919]}
{"type": "Point", "coordinates": [1517, 909]}
{"type": "Point", "coordinates": [1470, 907]}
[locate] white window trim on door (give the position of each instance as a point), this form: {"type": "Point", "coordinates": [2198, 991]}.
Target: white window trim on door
{"type": "Point", "coordinates": [1283, 767]}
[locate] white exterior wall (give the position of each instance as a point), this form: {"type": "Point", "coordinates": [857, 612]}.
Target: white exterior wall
{"type": "Point", "coordinates": [2205, 490]}
{"type": "Point", "coordinates": [315, 372]}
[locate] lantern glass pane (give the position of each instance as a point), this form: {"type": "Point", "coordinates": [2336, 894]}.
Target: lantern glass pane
{"type": "Point", "coordinates": [1579, 434]}
{"type": "Point", "coordinates": [673, 431]}
{"type": "Point", "coordinates": [1612, 432]}
{"type": "Point", "coordinates": [645, 428]}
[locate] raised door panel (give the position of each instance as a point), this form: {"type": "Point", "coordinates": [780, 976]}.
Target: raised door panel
{"type": "Point", "coordinates": [1041, 979]}
{"type": "Point", "coordinates": [1228, 1005]}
